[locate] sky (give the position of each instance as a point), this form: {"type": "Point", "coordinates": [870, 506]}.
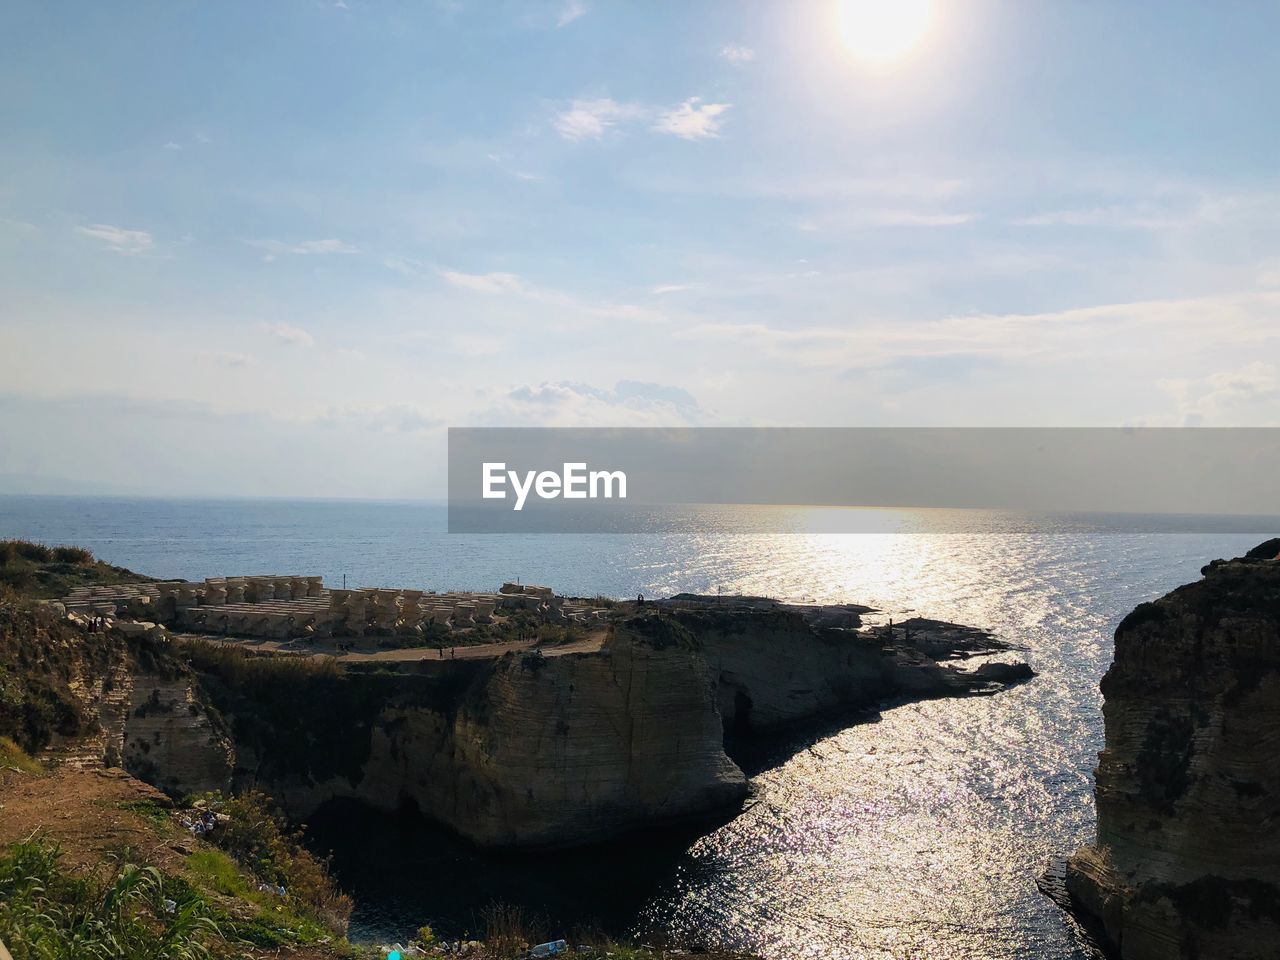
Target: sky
{"type": "Point", "coordinates": [277, 249]}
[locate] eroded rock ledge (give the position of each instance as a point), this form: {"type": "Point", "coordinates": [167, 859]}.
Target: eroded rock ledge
{"type": "Point", "coordinates": [1187, 858]}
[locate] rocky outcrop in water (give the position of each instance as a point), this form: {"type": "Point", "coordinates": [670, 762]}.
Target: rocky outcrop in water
{"type": "Point", "coordinates": [1187, 858]}
{"type": "Point", "coordinates": [533, 750]}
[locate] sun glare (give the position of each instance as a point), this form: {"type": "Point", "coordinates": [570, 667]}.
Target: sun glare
{"type": "Point", "coordinates": [879, 32]}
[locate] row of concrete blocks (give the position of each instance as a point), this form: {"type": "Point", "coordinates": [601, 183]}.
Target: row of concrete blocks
{"type": "Point", "coordinates": [357, 620]}
{"type": "Point", "coordinates": [528, 590]}
{"type": "Point", "coordinates": [115, 591]}
{"type": "Point", "coordinates": [319, 624]}
{"type": "Point", "coordinates": [216, 591]}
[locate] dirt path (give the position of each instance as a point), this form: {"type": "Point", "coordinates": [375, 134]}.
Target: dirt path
{"type": "Point", "coordinates": [481, 651]}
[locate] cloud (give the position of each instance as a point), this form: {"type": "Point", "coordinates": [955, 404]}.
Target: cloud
{"type": "Point", "coordinates": [226, 358]}
{"type": "Point", "coordinates": [570, 12]}
{"type": "Point", "coordinates": [1112, 217]}
{"type": "Point", "coordinates": [129, 242]}
{"type": "Point", "coordinates": [568, 305]}
{"type": "Point", "coordinates": [590, 119]}
{"type": "Point", "coordinates": [861, 219]}
{"type": "Point", "coordinates": [397, 418]}
{"type": "Point", "coordinates": [1227, 395]}
{"type": "Point", "coordinates": [670, 288]}
{"type": "Point", "coordinates": [692, 120]}
{"type": "Point", "coordinates": [567, 402]}
{"type": "Point", "coordinates": [275, 248]}
{"type": "Point", "coordinates": [171, 145]}
{"type": "Point", "coordinates": [736, 53]}
{"type": "Point", "coordinates": [1233, 318]}
{"type": "Point", "coordinates": [483, 282]}
{"type": "Point", "coordinates": [292, 336]}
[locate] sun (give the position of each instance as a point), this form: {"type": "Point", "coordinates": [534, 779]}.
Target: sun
{"type": "Point", "coordinates": [879, 32]}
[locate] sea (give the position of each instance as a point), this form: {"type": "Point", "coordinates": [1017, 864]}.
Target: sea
{"type": "Point", "coordinates": [915, 832]}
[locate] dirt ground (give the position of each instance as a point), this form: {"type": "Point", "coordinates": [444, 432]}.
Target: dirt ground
{"type": "Point", "coordinates": [481, 651]}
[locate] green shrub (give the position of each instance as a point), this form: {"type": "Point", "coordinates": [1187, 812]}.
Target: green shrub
{"type": "Point", "coordinates": [13, 551]}
{"type": "Point", "coordinates": [76, 555]}
{"type": "Point", "coordinates": [258, 838]}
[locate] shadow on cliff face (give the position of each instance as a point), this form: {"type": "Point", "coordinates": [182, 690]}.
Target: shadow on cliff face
{"type": "Point", "coordinates": [404, 871]}
{"type": "Point", "coordinates": [758, 751]}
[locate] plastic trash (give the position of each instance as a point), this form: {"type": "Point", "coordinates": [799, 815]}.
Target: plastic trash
{"type": "Point", "coordinates": [549, 949]}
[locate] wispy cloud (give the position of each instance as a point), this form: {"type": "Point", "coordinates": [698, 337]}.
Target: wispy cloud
{"type": "Point", "coordinates": [275, 248]}
{"type": "Point", "coordinates": [590, 119]}
{"type": "Point", "coordinates": [227, 358]}
{"type": "Point", "coordinates": [482, 282]}
{"type": "Point", "coordinates": [394, 419]}
{"type": "Point", "coordinates": [860, 219]}
{"type": "Point", "coordinates": [693, 119]}
{"type": "Point", "coordinates": [291, 336]}
{"type": "Point", "coordinates": [1227, 394]}
{"type": "Point", "coordinates": [570, 12]}
{"type": "Point", "coordinates": [1240, 318]}
{"type": "Point", "coordinates": [118, 239]}
{"type": "Point", "coordinates": [670, 288]}
{"type": "Point", "coordinates": [173, 145]}
{"type": "Point", "coordinates": [1113, 217]}
{"type": "Point", "coordinates": [510, 284]}
{"type": "Point", "coordinates": [571, 403]}
{"type": "Point", "coordinates": [737, 53]}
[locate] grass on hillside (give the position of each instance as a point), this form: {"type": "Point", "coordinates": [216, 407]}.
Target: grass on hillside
{"type": "Point", "coordinates": [130, 913]}
{"type": "Point", "coordinates": [44, 572]}
{"type": "Point", "coordinates": [15, 758]}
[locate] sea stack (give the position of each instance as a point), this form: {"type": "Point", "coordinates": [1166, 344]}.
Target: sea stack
{"type": "Point", "coordinates": [1186, 863]}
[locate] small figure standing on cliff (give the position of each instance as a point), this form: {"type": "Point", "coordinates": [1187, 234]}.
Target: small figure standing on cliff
{"type": "Point", "coordinates": [640, 600]}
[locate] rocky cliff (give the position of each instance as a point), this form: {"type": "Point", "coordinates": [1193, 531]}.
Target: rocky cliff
{"type": "Point", "coordinates": [93, 698]}
{"type": "Point", "coordinates": [1187, 858]}
{"type": "Point", "coordinates": [564, 748]}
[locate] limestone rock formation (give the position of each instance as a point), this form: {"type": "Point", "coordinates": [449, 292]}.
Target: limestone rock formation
{"type": "Point", "coordinates": [168, 739]}
{"type": "Point", "coordinates": [533, 750]}
{"type": "Point", "coordinates": [547, 749]}
{"type": "Point", "coordinates": [1187, 858]}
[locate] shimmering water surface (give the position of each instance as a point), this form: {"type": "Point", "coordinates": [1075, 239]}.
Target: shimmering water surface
{"type": "Point", "coordinates": [919, 834]}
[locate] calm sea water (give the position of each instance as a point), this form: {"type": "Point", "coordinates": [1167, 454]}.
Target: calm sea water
{"type": "Point", "coordinates": [917, 835]}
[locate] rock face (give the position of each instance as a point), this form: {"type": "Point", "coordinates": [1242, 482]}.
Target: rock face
{"type": "Point", "coordinates": [523, 751]}
{"type": "Point", "coordinates": [168, 739]}
{"type": "Point", "coordinates": [1187, 858]}
{"type": "Point", "coordinates": [533, 750]}
{"type": "Point", "coordinates": [547, 749]}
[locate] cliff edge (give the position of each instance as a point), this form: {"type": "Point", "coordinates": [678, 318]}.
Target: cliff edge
{"type": "Point", "coordinates": [1187, 858]}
